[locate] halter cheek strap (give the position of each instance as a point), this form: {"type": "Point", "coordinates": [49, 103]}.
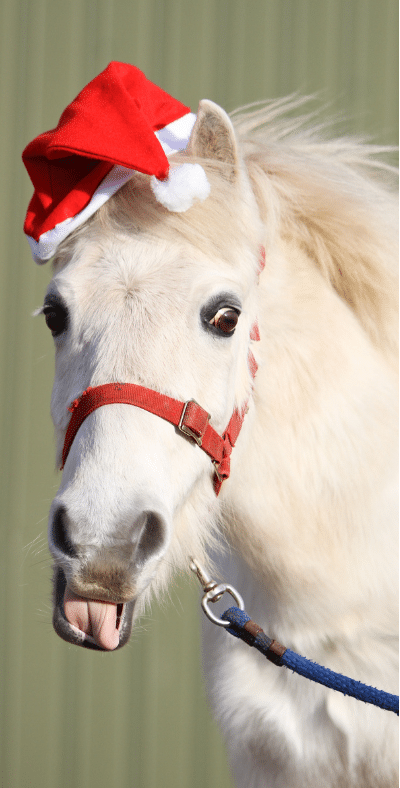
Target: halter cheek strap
{"type": "Point", "coordinates": [189, 417]}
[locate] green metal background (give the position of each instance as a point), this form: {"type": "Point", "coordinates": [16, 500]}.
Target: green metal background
{"type": "Point", "coordinates": [138, 718]}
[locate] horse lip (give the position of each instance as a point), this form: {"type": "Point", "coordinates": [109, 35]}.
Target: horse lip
{"type": "Point", "coordinates": [72, 635]}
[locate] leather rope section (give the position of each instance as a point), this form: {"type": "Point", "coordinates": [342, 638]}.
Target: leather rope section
{"type": "Point", "coordinates": [241, 626]}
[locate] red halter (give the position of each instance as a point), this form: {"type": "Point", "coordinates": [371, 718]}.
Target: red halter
{"type": "Point", "coordinates": [189, 417]}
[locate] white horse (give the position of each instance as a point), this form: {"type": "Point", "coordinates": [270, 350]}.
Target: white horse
{"type": "Point", "coordinates": [305, 527]}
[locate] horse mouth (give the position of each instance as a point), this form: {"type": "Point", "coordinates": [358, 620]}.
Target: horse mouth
{"type": "Point", "coordinates": [72, 634]}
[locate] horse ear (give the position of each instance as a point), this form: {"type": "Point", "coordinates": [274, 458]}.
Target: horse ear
{"type": "Point", "coordinates": [213, 138]}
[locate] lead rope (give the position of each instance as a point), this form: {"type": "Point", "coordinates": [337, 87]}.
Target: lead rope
{"type": "Point", "coordinates": [236, 621]}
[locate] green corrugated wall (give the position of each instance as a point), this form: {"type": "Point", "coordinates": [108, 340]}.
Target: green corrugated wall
{"type": "Point", "coordinates": [137, 718]}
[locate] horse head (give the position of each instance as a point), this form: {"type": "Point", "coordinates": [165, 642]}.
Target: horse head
{"type": "Point", "coordinates": [165, 301]}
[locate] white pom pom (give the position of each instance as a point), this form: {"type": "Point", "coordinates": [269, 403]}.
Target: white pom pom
{"type": "Point", "coordinates": [185, 184]}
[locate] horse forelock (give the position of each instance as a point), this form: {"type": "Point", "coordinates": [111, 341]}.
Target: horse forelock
{"type": "Point", "coordinates": [224, 225]}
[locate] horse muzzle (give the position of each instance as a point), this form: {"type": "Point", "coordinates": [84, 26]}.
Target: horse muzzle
{"type": "Point", "coordinates": [96, 587]}
{"type": "Point", "coordinates": [76, 636]}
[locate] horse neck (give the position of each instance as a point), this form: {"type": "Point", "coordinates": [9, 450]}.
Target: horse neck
{"type": "Point", "coordinates": [304, 496]}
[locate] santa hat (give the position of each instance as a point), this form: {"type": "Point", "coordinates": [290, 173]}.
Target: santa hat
{"type": "Point", "coordinates": [119, 123]}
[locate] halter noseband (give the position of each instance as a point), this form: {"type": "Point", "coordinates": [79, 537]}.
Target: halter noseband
{"type": "Point", "coordinates": [189, 417]}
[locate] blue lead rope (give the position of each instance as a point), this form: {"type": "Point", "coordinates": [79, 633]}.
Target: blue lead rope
{"type": "Point", "coordinates": [241, 626]}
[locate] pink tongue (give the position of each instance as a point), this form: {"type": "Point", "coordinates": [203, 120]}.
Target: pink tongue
{"type": "Point", "coordinates": [98, 619]}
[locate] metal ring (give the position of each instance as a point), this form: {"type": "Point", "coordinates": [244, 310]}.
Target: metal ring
{"type": "Point", "coordinates": [216, 593]}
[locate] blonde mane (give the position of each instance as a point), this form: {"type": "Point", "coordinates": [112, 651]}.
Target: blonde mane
{"type": "Point", "coordinates": [338, 202]}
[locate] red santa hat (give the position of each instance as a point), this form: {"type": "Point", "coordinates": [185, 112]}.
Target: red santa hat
{"type": "Point", "coordinates": [119, 123]}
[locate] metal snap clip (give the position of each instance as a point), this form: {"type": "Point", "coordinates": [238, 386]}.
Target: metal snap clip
{"type": "Point", "coordinates": [213, 592]}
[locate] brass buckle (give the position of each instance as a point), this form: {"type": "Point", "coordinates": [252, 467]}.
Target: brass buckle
{"type": "Point", "coordinates": [186, 430]}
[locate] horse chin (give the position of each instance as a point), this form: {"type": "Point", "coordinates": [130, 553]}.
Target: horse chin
{"type": "Point", "coordinates": [71, 634]}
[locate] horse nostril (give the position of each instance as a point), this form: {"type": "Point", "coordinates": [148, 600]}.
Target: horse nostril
{"type": "Point", "coordinates": [61, 539]}
{"type": "Point", "coordinates": [152, 538]}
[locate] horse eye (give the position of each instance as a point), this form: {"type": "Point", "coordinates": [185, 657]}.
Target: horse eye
{"type": "Point", "coordinates": [56, 319]}
{"type": "Point", "coordinates": [225, 320]}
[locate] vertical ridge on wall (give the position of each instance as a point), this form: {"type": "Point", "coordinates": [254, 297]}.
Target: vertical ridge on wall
{"type": "Point", "coordinates": [137, 718]}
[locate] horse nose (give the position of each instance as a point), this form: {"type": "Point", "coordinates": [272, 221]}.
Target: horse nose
{"type": "Point", "coordinates": [60, 535]}
{"type": "Point", "coordinates": [135, 539]}
{"type": "Point", "coordinates": [152, 537]}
